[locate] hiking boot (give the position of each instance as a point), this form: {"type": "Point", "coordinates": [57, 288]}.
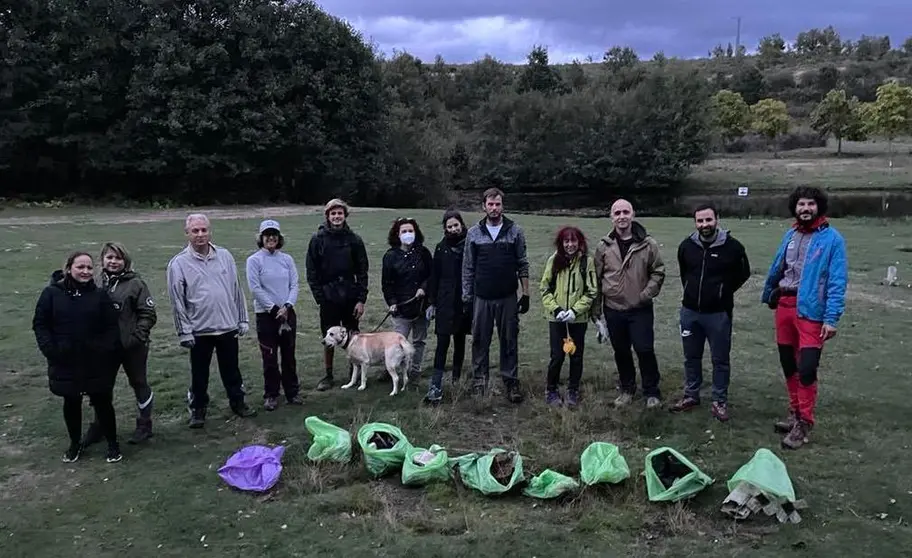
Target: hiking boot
{"type": "Point", "coordinates": [798, 436]}
{"type": "Point", "coordinates": [326, 383]}
{"type": "Point", "coordinates": [553, 398]}
{"type": "Point", "coordinates": [720, 411]}
{"type": "Point", "coordinates": [143, 431]}
{"type": "Point", "coordinates": [514, 395]}
{"type": "Point", "coordinates": [573, 397]}
{"type": "Point", "coordinates": [457, 374]}
{"type": "Point", "coordinates": [686, 403]}
{"type": "Point", "coordinates": [93, 435]}
{"type": "Point", "coordinates": [114, 454]}
{"type": "Point", "coordinates": [72, 453]}
{"type": "Point", "coordinates": [623, 399]}
{"type": "Point", "coordinates": [653, 402]}
{"type": "Point", "coordinates": [197, 418]}
{"type": "Point", "coordinates": [243, 410]}
{"type": "Point", "coordinates": [478, 391]}
{"type": "Point", "coordinates": [296, 399]}
{"type": "Point", "coordinates": [434, 395]}
{"type": "Point", "coordinates": [785, 426]}
{"type": "Point", "coordinates": [271, 403]}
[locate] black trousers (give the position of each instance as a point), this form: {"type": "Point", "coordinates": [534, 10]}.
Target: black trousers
{"type": "Point", "coordinates": [103, 403]}
{"type": "Point", "coordinates": [557, 331]}
{"type": "Point", "coordinates": [225, 347]}
{"type": "Point", "coordinates": [278, 348]}
{"type": "Point", "coordinates": [634, 328]}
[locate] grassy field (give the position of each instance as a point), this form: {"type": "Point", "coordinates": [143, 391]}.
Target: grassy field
{"type": "Point", "coordinates": [862, 166]}
{"type": "Point", "coordinates": [165, 498]}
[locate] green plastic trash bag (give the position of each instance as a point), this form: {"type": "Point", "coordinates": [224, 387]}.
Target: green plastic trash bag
{"type": "Point", "coordinates": [550, 484]}
{"type": "Point", "coordinates": [424, 466]}
{"type": "Point", "coordinates": [330, 443]}
{"type": "Point", "coordinates": [603, 462]}
{"type": "Point", "coordinates": [384, 447]}
{"type": "Point", "coordinates": [491, 473]}
{"type": "Point", "coordinates": [766, 472]}
{"type": "Point", "coordinates": [671, 477]}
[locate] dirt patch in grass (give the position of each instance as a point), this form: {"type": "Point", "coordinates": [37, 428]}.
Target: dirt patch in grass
{"type": "Point", "coordinates": [24, 483]}
{"type": "Point", "coordinates": [138, 217]}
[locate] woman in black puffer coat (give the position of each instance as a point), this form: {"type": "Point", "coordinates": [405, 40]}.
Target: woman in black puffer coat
{"type": "Point", "coordinates": [76, 328]}
{"type": "Point", "coordinates": [445, 296]}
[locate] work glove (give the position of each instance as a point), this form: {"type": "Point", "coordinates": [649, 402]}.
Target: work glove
{"type": "Point", "coordinates": [429, 313]}
{"type": "Point", "coordinates": [243, 328]}
{"type": "Point", "coordinates": [524, 304]}
{"type": "Point", "coordinates": [567, 316]}
{"type": "Point", "coordinates": [602, 331]}
{"type": "Point", "coordinates": [187, 341]}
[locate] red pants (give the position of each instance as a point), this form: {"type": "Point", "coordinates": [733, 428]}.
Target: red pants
{"type": "Point", "coordinates": [800, 345]}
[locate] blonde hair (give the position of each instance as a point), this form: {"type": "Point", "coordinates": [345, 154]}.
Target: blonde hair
{"type": "Point", "coordinates": [118, 249]}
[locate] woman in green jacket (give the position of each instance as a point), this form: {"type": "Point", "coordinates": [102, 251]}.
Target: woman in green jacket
{"type": "Point", "coordinates": [568, 288]}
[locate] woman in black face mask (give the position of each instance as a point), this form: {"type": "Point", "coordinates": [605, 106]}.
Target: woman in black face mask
{"type": "Point", "coordinates": [445, 298]}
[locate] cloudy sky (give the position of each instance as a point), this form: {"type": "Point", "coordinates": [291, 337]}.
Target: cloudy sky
{"type": "Point", "coordinates": [465, 30]}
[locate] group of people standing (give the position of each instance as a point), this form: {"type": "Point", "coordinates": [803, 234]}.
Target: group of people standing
{"type": "Point", "coordinates": [475, 282]}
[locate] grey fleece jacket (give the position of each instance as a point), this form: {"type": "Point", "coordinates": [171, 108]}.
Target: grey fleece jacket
{"type": "Point", "coordinates": [206, 295]}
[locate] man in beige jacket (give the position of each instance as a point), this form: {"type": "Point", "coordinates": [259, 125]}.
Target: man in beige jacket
{"type": "Point", "coordinates": [630, 273]}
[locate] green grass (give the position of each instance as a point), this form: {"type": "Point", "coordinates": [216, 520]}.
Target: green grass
{"type": "Point", "coordinates": [163, 498]}
{"type": "Point", "coordinates": [864, 166]}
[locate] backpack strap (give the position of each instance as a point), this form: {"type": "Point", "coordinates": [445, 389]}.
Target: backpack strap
{"type": "Point", "coordinates": [584, 263]}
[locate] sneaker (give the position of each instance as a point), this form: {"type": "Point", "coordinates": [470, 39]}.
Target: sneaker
{"type": "Point", "coordinates": [270, 404]}
{"type": "Point", "coordinates": [114, 454]}
{"type": "Point", "coordinates": [623, 399]}
{"type": "Point", "coordinates": [785, 426]}
{"type": "Point", "coordinates": [72, 453]}
{"type": "Point", "coordinates": [243, 410]}
{"type": "Point", "coordinates": [197, 418]}
{"type": "Point", "coordinates": [653, 402]}
{"type": "Point", "coordinates": [93, 435]}
{"type": "Point", "coordinates": [514, 395]}
{"type": "Point", "coordinates": [434, 395]}
{"type": "Point", "coordinates": [685, 404]}
{"type": "Point", "coordinates": [326, 383]}
{"type": "Point", "coordinates": [798, 436]}
{"type": "Point", "coordinates": [478, 391]}
{"type": "Point", "coordinates": [553, 398]}
{"type": "Point", "coordinates": [720, 411]}
{"type": "Point", "coordinates": [573, 398]}
{"type": "Point", "coordinates": [296, 399]}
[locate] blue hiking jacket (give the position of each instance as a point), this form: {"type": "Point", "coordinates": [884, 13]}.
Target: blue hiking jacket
{"type": "Point", "coordinates": [821, 292]}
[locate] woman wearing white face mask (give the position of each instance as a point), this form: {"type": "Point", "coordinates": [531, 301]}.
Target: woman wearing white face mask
{"type": "Point", "coordinates": [406, 270]}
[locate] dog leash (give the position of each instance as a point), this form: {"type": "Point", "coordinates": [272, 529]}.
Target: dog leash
{"type": "Point", "coordinates": [388, 314]}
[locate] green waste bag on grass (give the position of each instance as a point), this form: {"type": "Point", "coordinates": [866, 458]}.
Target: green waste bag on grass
{"type": "Point", "coordinates": [330, 443]}
{"type": "Point", "coordinates": [550, 484]}
{"type": "Point", "coordinates": [424, 466]}
{"type": "Point", "coordinates": [766, 472]}
{"type": "Point", "coordinates": [603, 462]}
{"type": "Point", "coordinates": [474, 470]}
{"type": "Point", "coordinates": [671, 477]}
{"type": "Point", "coordinates": [383, 446]}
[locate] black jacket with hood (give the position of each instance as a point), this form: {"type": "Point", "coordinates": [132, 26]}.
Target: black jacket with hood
{"type": "Point", "coordinates": [76, 329]}
{"type": "Point", "coordinates": [337, 266]}
{"type": "Point", "coordinates": [712, 274]}
{"type": "Point", "coordinates": [402, 274]}
{"type": "Point", "coordinates": [445, 288]}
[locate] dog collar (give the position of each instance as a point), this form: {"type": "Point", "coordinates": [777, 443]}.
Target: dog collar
{"type": "Point", "coordinates": [348, 338]}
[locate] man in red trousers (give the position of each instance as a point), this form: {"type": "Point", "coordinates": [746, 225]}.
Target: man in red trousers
{"type": "Point", "coordinates": [806, 286]}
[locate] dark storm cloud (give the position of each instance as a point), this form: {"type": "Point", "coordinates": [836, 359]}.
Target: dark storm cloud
{"type": "Point", "coordinates": [679, 28]}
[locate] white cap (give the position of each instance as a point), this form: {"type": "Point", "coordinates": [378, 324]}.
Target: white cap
{"type": "Point", "coordinates": [269, 224]}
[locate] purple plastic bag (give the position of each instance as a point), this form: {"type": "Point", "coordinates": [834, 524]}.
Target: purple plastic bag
{"type": "Point", "coordinates": [255, 468]}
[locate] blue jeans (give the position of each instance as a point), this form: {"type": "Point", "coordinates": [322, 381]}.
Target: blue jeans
{"type": "Point", "coordinates": [696, 329]}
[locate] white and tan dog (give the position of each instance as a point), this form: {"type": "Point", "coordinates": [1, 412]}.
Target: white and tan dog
{"type": "Point", "coordinates": [388, 348]}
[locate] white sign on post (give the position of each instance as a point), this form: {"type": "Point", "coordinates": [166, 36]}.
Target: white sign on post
{"type": "Point", "coordinates": [742, 191]}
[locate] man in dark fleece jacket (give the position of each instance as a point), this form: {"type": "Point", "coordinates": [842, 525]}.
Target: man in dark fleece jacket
{"type": "Point", "coordinates": [337, 268]}
{"type": "Point", "coordinates": [713, 267]}
{"type": "Point", "coordinates": [495, 258]}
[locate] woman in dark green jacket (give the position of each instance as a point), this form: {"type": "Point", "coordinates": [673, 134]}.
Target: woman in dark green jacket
{"type": "Point", "coordinates": [568, 287]}
{"type": "Point", "coordinates": [136, 316]}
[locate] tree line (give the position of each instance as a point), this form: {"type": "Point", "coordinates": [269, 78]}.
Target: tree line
{"type": "Point", "coordinates": [218, 101]}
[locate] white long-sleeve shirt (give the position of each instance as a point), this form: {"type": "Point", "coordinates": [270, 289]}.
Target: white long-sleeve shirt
{"type": "Point", "coordinates": [272, 278]}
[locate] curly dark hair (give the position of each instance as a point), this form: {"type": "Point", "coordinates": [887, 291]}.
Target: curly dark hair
{"type": "Point", "coordinates": [279, 245]}
{"type": "Point", "coordinates": [809, 192]}
{"type": "Point", "coordinates": [393, 237]}
{"type": "Point", "coordinates": [561, 259]}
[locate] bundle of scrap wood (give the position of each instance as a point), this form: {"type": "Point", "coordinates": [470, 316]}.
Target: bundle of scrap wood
{"type": "Point", "coordinates": [746, 499]}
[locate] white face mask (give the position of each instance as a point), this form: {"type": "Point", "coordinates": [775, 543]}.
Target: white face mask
{"type": "Point", "coordinates": [407, 238]}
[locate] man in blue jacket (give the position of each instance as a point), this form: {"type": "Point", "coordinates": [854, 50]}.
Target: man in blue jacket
{"type": "Point", "coordinates": [806, 286]}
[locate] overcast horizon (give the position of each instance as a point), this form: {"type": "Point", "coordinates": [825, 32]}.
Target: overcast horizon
{"type": "Point", "coordinates": [465, 30]}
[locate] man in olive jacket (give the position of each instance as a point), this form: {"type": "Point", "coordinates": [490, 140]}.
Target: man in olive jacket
{"type": "Point", "coordinates": [630, 273]}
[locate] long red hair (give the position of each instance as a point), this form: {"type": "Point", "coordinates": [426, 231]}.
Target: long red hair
{"type": "Point", "coordinates": [561, 259]}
